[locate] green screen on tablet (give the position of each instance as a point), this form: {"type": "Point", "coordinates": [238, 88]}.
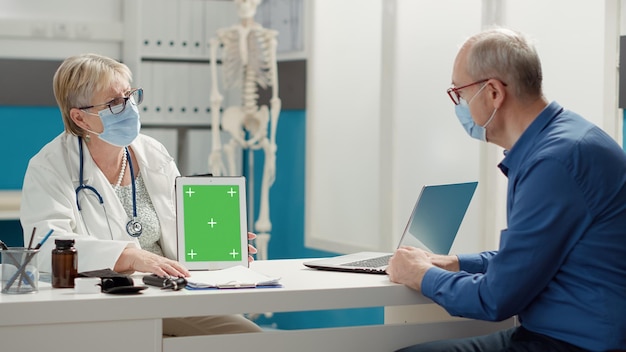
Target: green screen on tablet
{"type": "Point", "coordinates": [211, 222]}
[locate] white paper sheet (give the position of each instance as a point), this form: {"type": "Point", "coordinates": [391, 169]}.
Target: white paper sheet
{"type": "Point", "coordinates": [235, 277]}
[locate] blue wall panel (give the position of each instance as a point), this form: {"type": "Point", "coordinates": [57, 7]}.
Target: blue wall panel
{"type": "Point", "coordinates": [24, 131]}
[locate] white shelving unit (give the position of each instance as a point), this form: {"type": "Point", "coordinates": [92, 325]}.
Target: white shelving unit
{"type": "Point", "coordinates": [168, 50]}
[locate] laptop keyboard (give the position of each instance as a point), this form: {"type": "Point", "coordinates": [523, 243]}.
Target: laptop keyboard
{"type": "Point", "coordinates": [370, 263]}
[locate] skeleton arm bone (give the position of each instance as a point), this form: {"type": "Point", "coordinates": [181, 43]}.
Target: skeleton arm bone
{"type": "Point", "coordinates": [275, 102]}
{"type": "Point", "coordinates": [229, 150]}
{"type": "Point", "coordinates": [263, 224]}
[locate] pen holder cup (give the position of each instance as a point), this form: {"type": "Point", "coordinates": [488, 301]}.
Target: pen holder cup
{"type": "Point", "coordinates": [19, 272]}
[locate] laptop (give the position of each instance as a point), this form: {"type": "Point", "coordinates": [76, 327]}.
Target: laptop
{"type": "Point", "coordinates": [433, 225]}
{"type": "Point", "coordinates": [211, 222]}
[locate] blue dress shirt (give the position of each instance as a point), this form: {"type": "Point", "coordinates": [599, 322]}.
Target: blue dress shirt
{"type": "Point", "coordinates": [561, 264]}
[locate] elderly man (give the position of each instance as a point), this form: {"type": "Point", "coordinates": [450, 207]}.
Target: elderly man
{"type": "Point", "coordinates": [560, 266]}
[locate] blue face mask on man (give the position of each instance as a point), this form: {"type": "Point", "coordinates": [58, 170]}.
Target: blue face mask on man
{"type": "Point", "coordinates": [465, 117]}
{"type": "Point", "coordinates": [120, 129]}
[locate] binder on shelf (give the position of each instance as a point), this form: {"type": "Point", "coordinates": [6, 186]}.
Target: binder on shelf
{"type": "Point", "coordinates": [191, 29]}
{"type": "Point", "coordinates": [158, 29]}
{"type": "Point", "coordinates": [147, 107]}
{"type": "Point", "coordinates": [199, 83]}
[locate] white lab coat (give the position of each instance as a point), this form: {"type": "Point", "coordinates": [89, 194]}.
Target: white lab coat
{"type": "Point", "coordinates": [49, 202]}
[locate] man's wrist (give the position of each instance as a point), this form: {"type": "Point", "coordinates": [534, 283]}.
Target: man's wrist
{"type": "Point", "coordinates": [422, 268]}
{"type": "Point", "coordinates": [429, 279]}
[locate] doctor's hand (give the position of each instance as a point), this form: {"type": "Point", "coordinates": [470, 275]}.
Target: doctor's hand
{"type": "Point", "coordinates": [251, 249]}
{"type": "Point", "coordinates": [135, 259]}
{"type": "Point", "coordinates": [408, 265]}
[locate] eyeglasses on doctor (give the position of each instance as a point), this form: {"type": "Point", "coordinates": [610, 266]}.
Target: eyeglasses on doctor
{"type": "Point", "coordinates": [117, 105]}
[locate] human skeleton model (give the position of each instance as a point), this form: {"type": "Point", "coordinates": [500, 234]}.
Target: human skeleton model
{"type": "Point", "coordinates": [248, 59]}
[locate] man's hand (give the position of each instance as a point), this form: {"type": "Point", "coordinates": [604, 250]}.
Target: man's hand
{"type": "Point", "coordinates": [408, 265]}
{"type": "Point", "coordinates": [446, 262]}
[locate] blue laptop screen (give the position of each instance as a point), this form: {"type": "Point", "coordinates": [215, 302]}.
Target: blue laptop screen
{"type": "Point", "coordinates": [438, 215]}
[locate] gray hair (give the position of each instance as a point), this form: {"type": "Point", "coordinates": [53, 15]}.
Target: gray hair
{"type": "Point", "coordinates": [508, 56]}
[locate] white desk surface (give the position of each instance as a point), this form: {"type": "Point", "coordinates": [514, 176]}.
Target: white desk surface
{"type": "Point", "coordinates": [302, 289]}
{"type": "Point", "coordinates": [87, 319]}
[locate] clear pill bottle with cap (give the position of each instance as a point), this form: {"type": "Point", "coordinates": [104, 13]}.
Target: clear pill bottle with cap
{"type": "Point", "coordinates": [64, 264]}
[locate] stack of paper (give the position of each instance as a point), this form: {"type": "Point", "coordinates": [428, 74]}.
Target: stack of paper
{"type": "Point", "coordinates": [235, 277]}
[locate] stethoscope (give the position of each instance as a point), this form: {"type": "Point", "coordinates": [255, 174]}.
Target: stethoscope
{"type": "Point", "coordinates": [133, 227]}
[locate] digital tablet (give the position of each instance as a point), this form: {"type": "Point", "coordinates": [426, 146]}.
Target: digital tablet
{"type": "Point", "coordinates": [211, 222]}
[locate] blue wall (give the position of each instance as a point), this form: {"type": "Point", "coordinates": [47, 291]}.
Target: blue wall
{"type": "Point", "coordinates": [27, 129]}
{"type": "Point", "coordinates": [24, 131]}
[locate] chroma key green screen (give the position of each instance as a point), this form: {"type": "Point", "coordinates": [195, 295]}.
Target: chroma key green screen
{"type": "Point", "coordinates": [212, 223]}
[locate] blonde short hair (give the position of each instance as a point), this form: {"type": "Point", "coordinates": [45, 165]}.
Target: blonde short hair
{"type": "Point", "coordinates": [79, 78]}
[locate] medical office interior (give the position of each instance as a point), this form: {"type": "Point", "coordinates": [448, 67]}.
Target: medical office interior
{"type": "Point", "coordinates": [365, 119]}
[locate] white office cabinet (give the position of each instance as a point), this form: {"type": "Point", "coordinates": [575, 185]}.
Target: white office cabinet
{"type": "Point", "coordinates": [174, 69]}
{"type": "Point", "coordinates": [174, 59]}
{"type": "Point", "coordinates": [198, 93]}
{"type": "Point", "coordinates": [159, 30]}
{"type": "Point", "coordinates": [192, 151]}
{"type": "Point", "coordinates": [190, 23]}
{"type": "Point", "coordinates": [197, 148]}
{"type": "Point", "coordinates": [177, 93]}
{"type": "Point", "coordinates": [218, 14]}
{"type": "Point", "coordinates": [166, 136]}
{"type": "Point", "coordinates": [54, 30]}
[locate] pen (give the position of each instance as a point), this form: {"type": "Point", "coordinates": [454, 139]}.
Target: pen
{"type": "Point", "coordinates": [21, 272]}
{"type": "Point", "coordinates": [32, 235]}
{"type": "Point", "coordinates": [44, 239]}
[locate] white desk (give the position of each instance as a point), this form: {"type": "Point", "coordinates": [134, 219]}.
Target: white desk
{"type": "Point", "coordinates": [59, 319]}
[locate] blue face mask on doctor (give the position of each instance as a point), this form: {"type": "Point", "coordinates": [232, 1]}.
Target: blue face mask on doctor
{"type": "Point", "coordinates": [120, 122]}
{"type": "Point", "coordinates": [120, 129]}
{"type": "Point", "coordinates": [462, 111]}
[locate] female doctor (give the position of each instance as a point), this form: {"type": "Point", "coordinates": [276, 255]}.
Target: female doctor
{"type": "Point", "coordinates": [109, 187]}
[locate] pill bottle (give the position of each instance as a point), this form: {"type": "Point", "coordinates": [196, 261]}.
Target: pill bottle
{"type": "Point", "coordinates": [64, 264]}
